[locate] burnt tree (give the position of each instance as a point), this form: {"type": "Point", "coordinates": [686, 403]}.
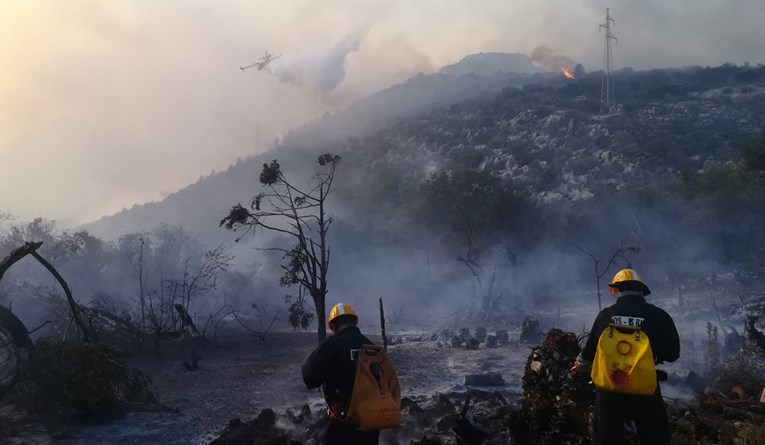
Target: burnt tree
{"type": "Point", "coordinates": [302, 215]}
{"type": "Point", "coordinates": [30, 248]}
{"type": "Point", "coordinates": [602, 270]}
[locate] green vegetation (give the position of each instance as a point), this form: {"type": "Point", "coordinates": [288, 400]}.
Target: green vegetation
{"type": "Point", "coordinates": [728, 201]}
{"type": "Point", "coordinates": [66, 381]}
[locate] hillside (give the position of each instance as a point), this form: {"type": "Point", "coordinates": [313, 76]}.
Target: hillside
{"type": "Point", "coordinates": [550, 140]}
{"type": "Point", "coordinates": [489, 63]}
{"type": "Point", "coordinates": [528, 159]}
{"type": "Point", "coordinates": [198, 207]}
{"type": "Point", "coordinates": [539, 165]}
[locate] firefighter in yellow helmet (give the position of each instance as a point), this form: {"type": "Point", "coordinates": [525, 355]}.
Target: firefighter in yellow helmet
{"type": "Point", "coordinates": [333, 366]}
{"type": "Point", "coordinates": [631, 313]}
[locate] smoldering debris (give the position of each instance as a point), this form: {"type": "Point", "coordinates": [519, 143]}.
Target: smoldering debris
{"type": "Point", "coordinates": [269, 428]}
{"type": "Point", "coordinates": [474, 417]}
{"type": "Point", "coordinates": [557, 404]}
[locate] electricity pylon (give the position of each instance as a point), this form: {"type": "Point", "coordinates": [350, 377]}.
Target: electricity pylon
{"type": "Point", "coordinates": [607, 92]}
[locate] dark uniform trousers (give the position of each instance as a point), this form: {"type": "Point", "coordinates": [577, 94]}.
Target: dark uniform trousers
{"type": "Point", "coordinates": [339, 433]}
{"type": "Point", "coordinates": [613, 410]}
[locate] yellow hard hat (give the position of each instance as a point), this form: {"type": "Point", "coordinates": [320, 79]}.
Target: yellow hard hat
{"type": "Point", "coordinates": [628, 279]}
{"type": "Point", "coordinates": [341, 309]}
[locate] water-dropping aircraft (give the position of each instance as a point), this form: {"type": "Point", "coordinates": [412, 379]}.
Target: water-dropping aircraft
{"type": "Point", "coordinates": [262, 62]}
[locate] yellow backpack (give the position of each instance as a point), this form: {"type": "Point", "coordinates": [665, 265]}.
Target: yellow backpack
{"type": "Point", "coordinates": [376, 398]}
{"type": "Point", "coordinates": [624, 361]}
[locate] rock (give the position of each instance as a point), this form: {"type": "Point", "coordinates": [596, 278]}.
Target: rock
{"type": "Point", "coordinates": [695, 382]}
{"type": "Point", "coordinates": [259, 431]}
{"type": "Point", "coordinates": [443, 406]}
{"type": "Point", "coordinates": [456, 341]}
{"type": "Point", "coordinates": [480, 334]}
{"type": "Point", "coordinates": [503, 337]}
{"type": "Point", "coordinates": [472, 343]}
{"type": "Point", "coordinates": [407, 402]}
{"type": "Point", "coordinates": [267, 417]}
{"type": "Point", "coordinates": [530, 333]}
{"type": "Point", "coordinates": [488, 379]}
{"type": "Point", "coordinates": [448, 422]}
{"type": "Point", "coordinates": [427, 441]}
{"type": "Point", "coordinates": [491, 341]}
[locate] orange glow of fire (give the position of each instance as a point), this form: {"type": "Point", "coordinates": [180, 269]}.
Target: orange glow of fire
{"type": "Point", "coordinates": [567, 73]}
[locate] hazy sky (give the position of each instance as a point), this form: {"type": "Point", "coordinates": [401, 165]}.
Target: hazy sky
{"type": "Point", "coordinates": [115, 102]}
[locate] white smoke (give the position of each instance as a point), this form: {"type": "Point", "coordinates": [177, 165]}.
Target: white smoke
{"type": "Point", "coordinates": [549, 60]}
{"type": "Point", "coordinates": [321, 68]}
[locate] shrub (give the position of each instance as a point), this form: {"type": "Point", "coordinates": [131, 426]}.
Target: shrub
{"type": "Point", "coordinates": [67, 381]}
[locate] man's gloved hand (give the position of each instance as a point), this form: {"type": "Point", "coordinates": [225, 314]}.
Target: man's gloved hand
{"type": "Point", "coordinates": [581, 365]}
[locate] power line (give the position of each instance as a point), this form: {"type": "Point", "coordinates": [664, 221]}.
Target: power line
{"type": "Point", "coordinates": [607, 91]}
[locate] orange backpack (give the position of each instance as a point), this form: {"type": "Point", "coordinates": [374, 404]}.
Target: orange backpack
{"type": "Point", "coordinates": [376, 398]}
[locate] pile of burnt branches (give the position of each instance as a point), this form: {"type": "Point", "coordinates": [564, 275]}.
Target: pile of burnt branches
{"type": "Point", "coordinates": [556, 404]}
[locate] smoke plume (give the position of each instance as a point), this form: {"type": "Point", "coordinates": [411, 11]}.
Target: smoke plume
{"type": "Point", "coordinates": [547, 59]}
{"type": "Point", "coordinates": [321, 68]}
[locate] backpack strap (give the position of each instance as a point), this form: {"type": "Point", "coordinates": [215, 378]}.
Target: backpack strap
{"type": "Point", "coordinates": [636, 329]}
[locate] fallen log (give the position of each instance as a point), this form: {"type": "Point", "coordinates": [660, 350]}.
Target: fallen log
{"type": "Point", "coordinates": [734, 413]}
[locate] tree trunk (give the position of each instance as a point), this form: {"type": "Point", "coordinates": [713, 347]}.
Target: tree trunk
{"type": "Point", "coordinates": [87, 335]}
{"type": "Point", "coordinates": [321, 316]}
{"type": "Point", "coordinates": [16, 255]}
{"type": "Point", "coordinates": [486, 311]}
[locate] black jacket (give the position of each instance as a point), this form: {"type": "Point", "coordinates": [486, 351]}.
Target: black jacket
{"type": "Point", "coordinates": [333, 364]}
{"type": "Point", "coordinates": [632, 310]}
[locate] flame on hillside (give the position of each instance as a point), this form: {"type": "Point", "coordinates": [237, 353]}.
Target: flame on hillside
{"type": "Point", "coordinates": [567, 73]}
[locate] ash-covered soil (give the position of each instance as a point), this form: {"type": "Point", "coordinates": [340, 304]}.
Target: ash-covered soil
{"type": "Point", "coordinates": [239, 376]}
